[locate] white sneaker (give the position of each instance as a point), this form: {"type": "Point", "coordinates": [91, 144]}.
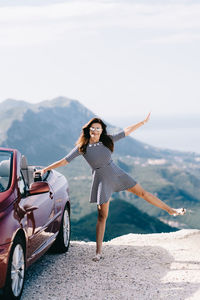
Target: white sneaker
{"type": "Point", "coordinates": [179, 211]}
{"type": "Point", "coordinates": [97, 257]}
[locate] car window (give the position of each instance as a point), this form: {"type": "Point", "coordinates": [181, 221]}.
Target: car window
{"type": "Point", "coordinates": [21, 184]}
{"type": "Point", "coordinates": [5, 170]}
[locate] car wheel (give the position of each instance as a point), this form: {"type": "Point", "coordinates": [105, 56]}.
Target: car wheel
{"type": "Point", "coordinates": [16, 271]}
{"type": "Point", "coordinates": [62, 241]}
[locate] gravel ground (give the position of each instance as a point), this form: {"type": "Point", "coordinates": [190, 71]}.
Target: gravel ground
{"type": "Point", "coordinates": [153, 266]}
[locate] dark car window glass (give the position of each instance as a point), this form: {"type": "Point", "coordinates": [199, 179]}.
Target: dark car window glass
{"type": "Point", "coordinates": [5, 170]}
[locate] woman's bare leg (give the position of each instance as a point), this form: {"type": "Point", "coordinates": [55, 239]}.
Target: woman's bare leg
{"type": "Point", "coordinates": [140, 192]}
{"type": "Point", "coordinates": [101, 224]}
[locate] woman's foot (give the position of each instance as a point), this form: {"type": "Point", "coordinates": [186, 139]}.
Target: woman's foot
{"type": "Point", "coordinates": [178, 212]}
{"type": "Point", "coordinates": [97, 257]}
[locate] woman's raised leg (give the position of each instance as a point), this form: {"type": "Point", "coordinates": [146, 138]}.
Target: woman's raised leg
{"type": "Point", "coordinates": [140, 192]}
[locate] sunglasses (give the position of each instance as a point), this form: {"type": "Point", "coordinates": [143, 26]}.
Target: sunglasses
{"type": "Point", "coordinates": [98, 129]}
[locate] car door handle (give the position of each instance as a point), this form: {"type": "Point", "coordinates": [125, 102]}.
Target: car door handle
{"type": "Point", "coordinates": [51, 195]}
{"type": "Point", "coordinates": [30, 208]}
{"type": "Point", "coordinates": [22, 211]}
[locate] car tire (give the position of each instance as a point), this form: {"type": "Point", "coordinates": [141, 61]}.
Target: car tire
{"type": "Point", "coordinates": [62, 241]}
{"type": "Point", "coordinates": [16, 271]}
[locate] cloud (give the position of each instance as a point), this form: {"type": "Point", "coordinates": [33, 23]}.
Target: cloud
{"type": "Point", "coordinates": [51, 11]}
{"type": "Point", "coordinates": [174, 38]}
{"type": "Point", "coordinates": [26, 25]}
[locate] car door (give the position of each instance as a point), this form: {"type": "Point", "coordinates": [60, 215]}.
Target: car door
{"type": "Point", "coordinates": [39, 218]}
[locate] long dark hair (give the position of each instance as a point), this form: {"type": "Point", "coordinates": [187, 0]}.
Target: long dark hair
{"type": "Point", "coordinates": [84, 138]}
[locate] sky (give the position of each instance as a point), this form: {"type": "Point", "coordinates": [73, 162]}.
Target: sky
{"type": "Point", "coordinates": [118, 58]}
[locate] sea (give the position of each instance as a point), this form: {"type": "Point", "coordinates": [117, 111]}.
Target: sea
{"type": "Point", "coordinates": [181, 139]}
{"type": "Point", "coordinates": [180, 133]}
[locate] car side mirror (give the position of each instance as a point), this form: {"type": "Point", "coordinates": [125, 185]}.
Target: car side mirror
{"type": "Point", "coordinates": [38, 187]}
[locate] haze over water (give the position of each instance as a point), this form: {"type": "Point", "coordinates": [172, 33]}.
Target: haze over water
{"type": "Point", "coordinates": [171, 132]}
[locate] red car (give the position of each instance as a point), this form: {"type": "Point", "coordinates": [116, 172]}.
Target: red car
{"type": "Point", "coordinates": [34, 216]}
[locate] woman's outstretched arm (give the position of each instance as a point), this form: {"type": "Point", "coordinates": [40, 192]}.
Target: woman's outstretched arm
{"type": "Point", "coordinates": [57, 164]}
{"type": "Point", "coordinates": [62, 162]}
{"type": "Point", "coordinates": [132, 128]}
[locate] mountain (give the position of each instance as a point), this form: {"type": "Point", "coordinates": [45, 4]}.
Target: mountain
{"type": "Point", "coordinates": [47, 131]}
{"type": "Point", "coordinates": [44, 131]}
{"type": "Point", "coordinates": [123, 218]}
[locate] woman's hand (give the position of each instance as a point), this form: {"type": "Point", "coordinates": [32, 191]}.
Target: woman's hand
{"type": "Point", "coordinates": [41, 171]}
{"type": "Point", "coordinates": [147, 118]}
{"type": "Point", "coordinates": [132, 128]}
{"type": "Point", "coordinates": [57, 164]}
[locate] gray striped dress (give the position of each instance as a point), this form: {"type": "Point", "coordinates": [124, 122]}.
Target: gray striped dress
{"type": "Point", "coordinates": [107, 177]}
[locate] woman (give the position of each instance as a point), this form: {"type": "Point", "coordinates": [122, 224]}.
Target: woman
{"type": "Point", "coordinates": [96, 146]}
